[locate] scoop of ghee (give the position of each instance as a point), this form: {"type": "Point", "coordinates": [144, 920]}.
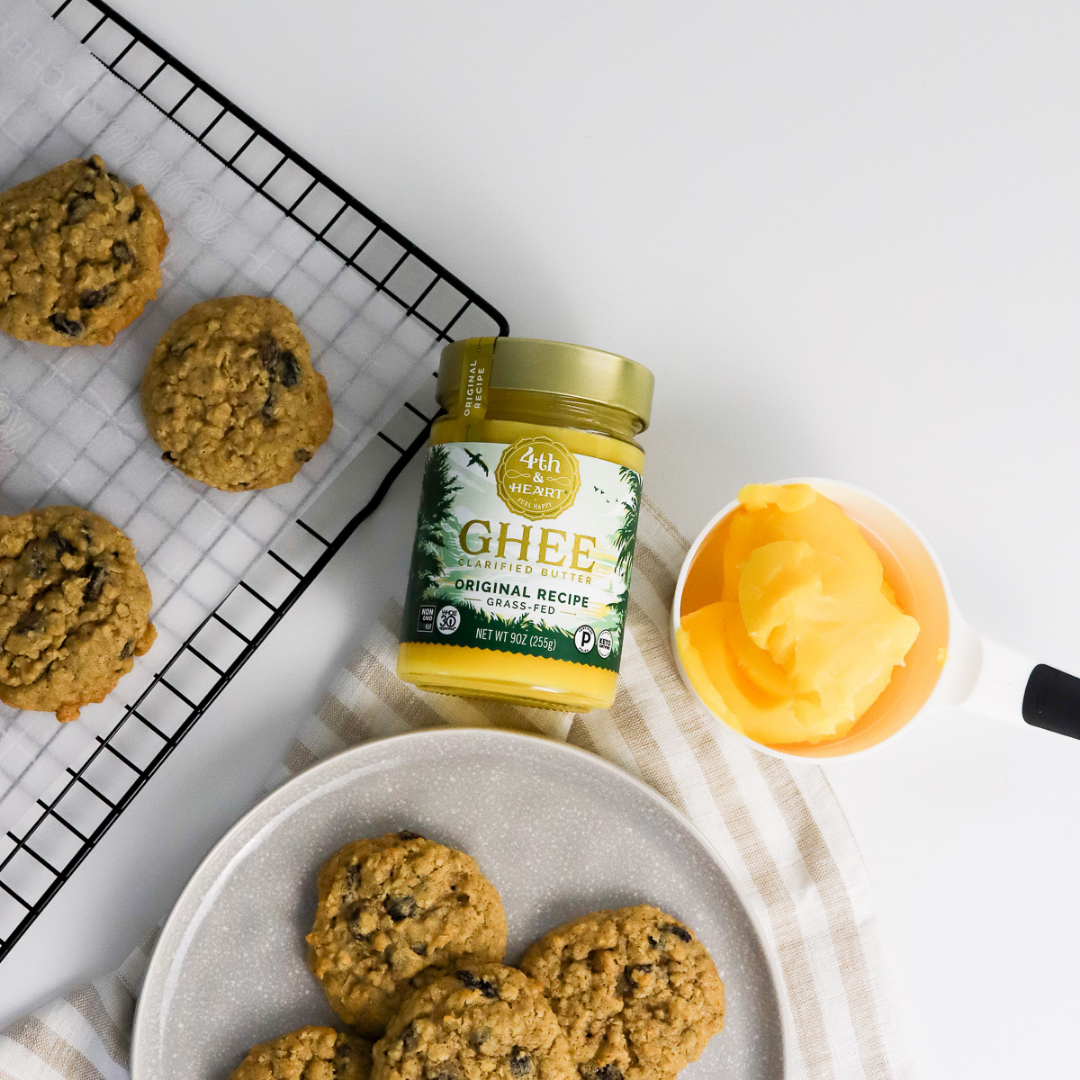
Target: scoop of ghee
{"type": "Point", "coordinates": [807, 631]}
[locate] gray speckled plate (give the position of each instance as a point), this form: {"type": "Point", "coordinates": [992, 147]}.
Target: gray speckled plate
{"type": "Point", "coordinates": [559, 831]}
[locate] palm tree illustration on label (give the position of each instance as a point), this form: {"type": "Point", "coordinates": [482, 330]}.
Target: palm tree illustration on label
{"type": "Point", "coordinates": [537, 477]}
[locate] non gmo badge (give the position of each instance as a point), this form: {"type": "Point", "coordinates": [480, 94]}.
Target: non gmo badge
{"type": "Point", "coordinates": [425, 619]}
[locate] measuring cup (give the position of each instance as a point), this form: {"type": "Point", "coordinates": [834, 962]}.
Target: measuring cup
{"type": "Point", "coordinates": [950, 665]}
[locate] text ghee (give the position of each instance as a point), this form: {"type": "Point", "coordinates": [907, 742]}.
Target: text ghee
{"type": "Point", "coordinates": [803, 631]}
{"type": "Point", "coordinates": [520, 575]}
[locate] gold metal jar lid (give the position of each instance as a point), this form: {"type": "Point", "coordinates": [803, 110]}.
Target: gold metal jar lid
{"type": "Point", "coordinates": [554, 367]}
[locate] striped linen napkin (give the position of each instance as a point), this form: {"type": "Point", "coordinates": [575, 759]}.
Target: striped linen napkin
{"type": "Point", "coordinates": [777, 826]}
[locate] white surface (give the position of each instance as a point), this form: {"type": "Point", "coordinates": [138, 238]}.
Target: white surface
{"type": "Point", "coordinates": [847, 240]}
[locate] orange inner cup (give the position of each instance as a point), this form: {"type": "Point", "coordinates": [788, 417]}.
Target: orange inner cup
{"type": "Point", "coordinates": [909, 569]}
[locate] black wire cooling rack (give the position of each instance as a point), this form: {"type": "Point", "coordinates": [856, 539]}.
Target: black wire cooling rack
{"type": "Point", "coordinates": [94, 795]}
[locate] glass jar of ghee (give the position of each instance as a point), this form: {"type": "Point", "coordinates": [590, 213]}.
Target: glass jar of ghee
{"type": "Point", "coordinates": [520, 576]}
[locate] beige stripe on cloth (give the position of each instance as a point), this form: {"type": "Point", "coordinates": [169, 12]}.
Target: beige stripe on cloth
{"type": "Point", "coordinates": [777, 826]}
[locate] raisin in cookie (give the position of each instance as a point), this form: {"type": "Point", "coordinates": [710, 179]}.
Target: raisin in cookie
{"type": "Point", "coordinates": [74, 609]}
{"type": "Point", "coordinates": [231, 397]}
{"type": "Point", "coordinates": [637, 995]}
{"type": "Point", "coordinates": [312, 1053]}
{"type": "Point", "coordinates": [483, 1022]}
{"type": "Point", "coordinates": [80, 255]}
{"type": "Point", "coordinates": [394, 913]}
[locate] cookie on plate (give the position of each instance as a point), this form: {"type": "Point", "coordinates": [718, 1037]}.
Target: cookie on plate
{"type": "Point", "coordinates": [311, 1053]}
{"type": "Point", "coordinates": [74, 609]}
{"type": "Point", "coordinates": [482, 1022]}
{"type": "Point", "coordinates": [393, 913]}
{"type": "Point", "coordinates": [637, 995]}
{"type": "Point", "coordinates": [80, 255]}
{"type": "Point", "coordinates": [231, 397]}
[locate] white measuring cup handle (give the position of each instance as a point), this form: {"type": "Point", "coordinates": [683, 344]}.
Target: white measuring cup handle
{"type": "Point", "coordinates": [1012, 687]}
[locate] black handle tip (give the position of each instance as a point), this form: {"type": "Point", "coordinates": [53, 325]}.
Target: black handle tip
{"type": "Point", "coordinates": [1052, 701]}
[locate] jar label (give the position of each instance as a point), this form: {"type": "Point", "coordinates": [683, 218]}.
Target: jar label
{"type": "Point", "coordinates": [523, 548]}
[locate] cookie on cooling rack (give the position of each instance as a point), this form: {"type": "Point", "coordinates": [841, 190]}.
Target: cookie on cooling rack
{"type": "Point", "coordinates": [74, 609]}
{"type": "Point", "coordinates": [231, 397]}
{"type": "Point", "coordinates": [393, 913]}
{"type": "Point", "coordinates": [637, 995]}
{"type": "Point", "coordinates": [311, 1053]}
{"type": "Point", "coordinates": [80, 255]}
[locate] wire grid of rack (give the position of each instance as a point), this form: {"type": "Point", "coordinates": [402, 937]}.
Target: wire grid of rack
{"type": "Point", "coordinates": [69, 823]}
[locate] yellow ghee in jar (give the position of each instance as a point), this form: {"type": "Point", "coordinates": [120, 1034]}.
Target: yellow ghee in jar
{"type": "Point", "coordinates": [789, 630]}
{"type": "Point", "coordinates": [520, 576]}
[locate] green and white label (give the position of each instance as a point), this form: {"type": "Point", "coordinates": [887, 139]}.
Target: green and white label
{"type": "Point", "coordinates": [524, 548]}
